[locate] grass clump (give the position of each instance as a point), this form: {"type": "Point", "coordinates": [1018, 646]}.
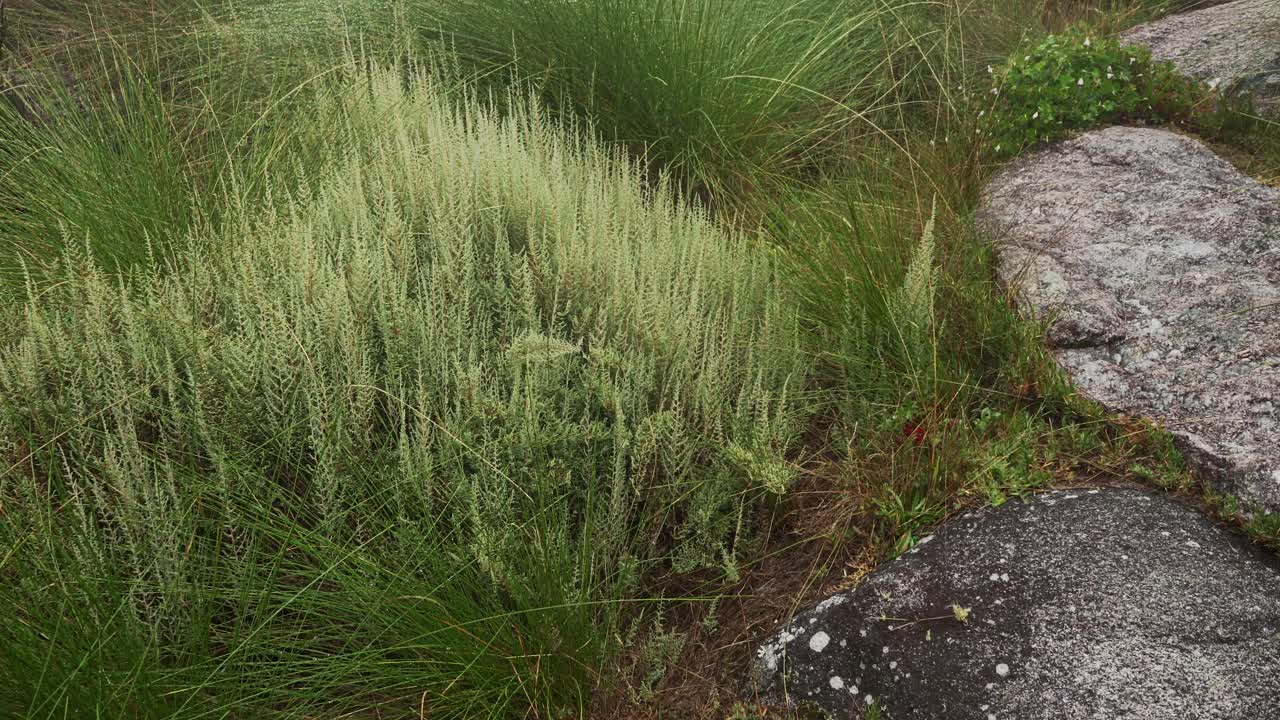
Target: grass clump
{"type": "Point", "coordinates": [404, 442]}
{"type": "Point", "coordinates": [722, 93]}
{"type": "Point", "coordinates": [113, 151]}
{"type": "Point", "coordinates": [111, 171]}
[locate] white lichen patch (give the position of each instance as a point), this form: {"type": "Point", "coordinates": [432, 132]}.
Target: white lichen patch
{"type": "Point", "coordinates": [836, 682]}
{"type": "Point", "coordinates": [833, 601]}
{"type": "Point", "coordinates": [1002, 670]}
{"type": "Point", "coordinates": [772, 650]}
{"type": "Point", "coordinates": [819, 641]}
{"type": "Point", "coordinates": [768, 655]}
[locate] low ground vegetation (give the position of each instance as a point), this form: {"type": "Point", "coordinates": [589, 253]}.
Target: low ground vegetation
{"type": "Point", "coordinates": [476, 354]}
{"type": "Point", "coordinates": [463, 359]}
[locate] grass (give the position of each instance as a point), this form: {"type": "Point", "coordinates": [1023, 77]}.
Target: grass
{"type": "Point", "coordinates": [467, 408]}
{"type": "Point", "coordinates": [724, 94]}
{"type": "Point", "coordinates": [1252, 143]}
{"type": "Point", "coordinates": [124, 142]}
{"type": "Point", "coordinates": [497, 359]}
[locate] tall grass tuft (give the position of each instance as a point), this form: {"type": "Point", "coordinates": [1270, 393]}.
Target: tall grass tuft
{"type": "Point", "coordinates": [403, 444]}
{"type": "Point", "coordinates": [103, 164]}
{"type": "Point", "coordinates": [122, 140]}
{"type": "Point", "coordinates": [723, 93]}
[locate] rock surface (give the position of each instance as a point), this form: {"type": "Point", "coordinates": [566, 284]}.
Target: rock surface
{"type": "Point", "coordinates": [1236, 46]}
{"type": "Point", "coordinates": [1158, 266]}
{"type": "Point", "coordinates": [1110, 603]}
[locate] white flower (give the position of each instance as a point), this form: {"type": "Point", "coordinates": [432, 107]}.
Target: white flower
{"type": "Point", "coordinates": [990, 70]}
{"type": "Point", "coordinates": [1087, 43]}
{"type": "Point", "coordinates": [1080, 81]}
{"type": "Point", "coordinates": [995, 91]}
{"type": "Point", "coordinates": [1133, 60]}
{"type": "Point", "coordinates": [1036, 115]}
{"type": "Point", "coordinates": [1110, 75]}
{"type": "Point", "coordinates": [1026, 59]}
{"type": "Point", "coordinates": [997, 147]}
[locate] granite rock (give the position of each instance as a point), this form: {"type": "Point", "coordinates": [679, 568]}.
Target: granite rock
{"type": "Point", "coordinates": [1103, 603]}
{"type": "Point", "coordinates": [1157, 267]}
{"type": "Point", "coordinates": [1235, 46]}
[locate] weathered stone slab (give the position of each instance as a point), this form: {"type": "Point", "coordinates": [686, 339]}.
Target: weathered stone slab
{"type": "Point", "coordinates": [1235, 46]}
{"type": "Point", "coordinates": [1158, 266]}
{"type": "Point", "coordinates": [1115, 603]}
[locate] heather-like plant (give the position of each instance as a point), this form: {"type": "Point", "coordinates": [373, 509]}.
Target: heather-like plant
{"type": "Point", "coordinates": [912, 306]}
{"type": "Point", "coordinates": [402, 435]}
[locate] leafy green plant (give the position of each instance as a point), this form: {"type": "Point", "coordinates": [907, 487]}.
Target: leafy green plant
{"type": "Point", "coordinates": [1011, 455]}
{"type": "Point", "coordinates": [1072, 81]}
{"type": "Point", "coordinates": [910, 518]}
{"type": "Point", "coordinates": [1265, 527]}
